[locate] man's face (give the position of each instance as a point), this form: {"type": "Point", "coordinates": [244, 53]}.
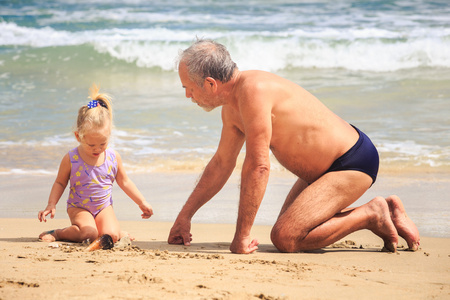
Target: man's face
{"type": "Point", "coordinates": [197, 94]}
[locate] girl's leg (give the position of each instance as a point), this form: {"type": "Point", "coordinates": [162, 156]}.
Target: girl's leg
{"type": "Point", "coordinates": [107, 223]}
{"type": "Point", "coordinates": [83, 227]}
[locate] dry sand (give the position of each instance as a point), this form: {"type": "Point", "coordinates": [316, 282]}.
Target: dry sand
{"type": "Point", "coordinates": [149, 268]}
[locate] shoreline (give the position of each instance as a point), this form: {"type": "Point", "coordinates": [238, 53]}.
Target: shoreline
{"type": "Point", "coordinates": [423, 195]}
{"type": "Point", "coordinates": [352, 268]}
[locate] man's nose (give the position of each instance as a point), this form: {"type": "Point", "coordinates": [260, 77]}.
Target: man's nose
{"type": "Point", "coordinates": [188, 94]}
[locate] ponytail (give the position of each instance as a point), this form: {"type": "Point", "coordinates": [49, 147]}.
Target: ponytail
{"type": "Point", "coordinates": [96, 114]}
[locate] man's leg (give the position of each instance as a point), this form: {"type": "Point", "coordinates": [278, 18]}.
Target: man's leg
{"type": "Point", "coordinates": [314, 219]}
{"type": "Point", "coordinates": [296, 190]}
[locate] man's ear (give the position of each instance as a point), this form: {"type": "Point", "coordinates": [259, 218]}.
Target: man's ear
{"type": "Point", "coordinates": [210, 83]}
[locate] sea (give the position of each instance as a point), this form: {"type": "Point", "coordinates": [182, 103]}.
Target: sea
{"type": "Point", "coordinates": [382, 65]}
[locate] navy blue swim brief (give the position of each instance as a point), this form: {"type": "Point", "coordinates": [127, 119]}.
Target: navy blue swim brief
{"type": "Point", "coordinates": [363, 157]}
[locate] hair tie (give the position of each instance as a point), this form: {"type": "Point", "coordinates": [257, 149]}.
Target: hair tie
{"type": "Point", "coordinates": [95, 103]}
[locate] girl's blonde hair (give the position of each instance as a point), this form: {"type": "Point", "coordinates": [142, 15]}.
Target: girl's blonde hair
{"type": "Point", "coordinates": [92, 117]}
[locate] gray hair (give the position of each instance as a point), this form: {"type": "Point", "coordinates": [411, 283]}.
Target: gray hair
{"type": "Point", "coordinates": [207, 58]}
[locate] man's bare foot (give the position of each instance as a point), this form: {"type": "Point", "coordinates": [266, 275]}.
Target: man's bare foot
{"type": "Point", "coordinates": [382, 224]}
{"type": "Point", "coordinates": [405, 226]}
{"type": "Point", "coordinates": [48, 236]}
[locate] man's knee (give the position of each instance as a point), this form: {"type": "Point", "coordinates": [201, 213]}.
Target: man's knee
{"type": "Point", "coordinates": [283, 239]}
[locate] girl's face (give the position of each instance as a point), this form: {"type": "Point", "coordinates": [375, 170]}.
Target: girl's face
{"type": "Point", "coordinates": [94, 143]}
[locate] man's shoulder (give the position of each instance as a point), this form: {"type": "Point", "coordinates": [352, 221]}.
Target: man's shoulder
{"type": "Point", "coordinates": [228, 113]}
{"type": "Point", "coordinates": [255, 77]}
{"type": "Point", "coordinates": [231, 118]}
{"type": "Point", "coordinates": [255, 81]}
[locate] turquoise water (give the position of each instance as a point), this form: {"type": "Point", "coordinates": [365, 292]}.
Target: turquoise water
{"type": "Point", "coordinates": [384, 66]}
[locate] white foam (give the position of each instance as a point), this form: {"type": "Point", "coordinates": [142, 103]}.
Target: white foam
{"type": "Point", "coordinates": [27, 172]}
{"type": "Point", "coordinates": [414, 153]}
{"type": "Point", "coordinates": [407, 148]}
{"type": "Point", "coordinates": [369, 49]}
{"type": "Point", "coordinates": [12, 34]}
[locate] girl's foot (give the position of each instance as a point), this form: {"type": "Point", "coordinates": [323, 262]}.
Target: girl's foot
{"type": "Point", "coordinates": [48, 236]}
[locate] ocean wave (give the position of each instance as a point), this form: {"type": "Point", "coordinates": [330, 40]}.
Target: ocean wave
{"type": "Point", "coordinates": [368, 49]}
{"type": "Point", "coordinates": [414, 154]}
{"type": "Point", "coordinates": [258, 13]}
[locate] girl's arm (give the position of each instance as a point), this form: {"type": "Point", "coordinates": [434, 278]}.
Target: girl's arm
{"type": "Point", "coordinates": [57, 189]}
{"type": "Point", "coordinates": [128, 186]}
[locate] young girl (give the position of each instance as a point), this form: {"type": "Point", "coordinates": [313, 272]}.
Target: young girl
{"type": "Point", "coordinates": [91, 169]}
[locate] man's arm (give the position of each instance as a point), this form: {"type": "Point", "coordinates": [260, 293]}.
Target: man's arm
{"type": "Point", "coordinates": [256, 115]}
{"type": "Point", "coordinates": [214, 177]}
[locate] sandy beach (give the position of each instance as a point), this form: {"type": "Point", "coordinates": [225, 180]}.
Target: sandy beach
{"type": "Point", "coordinates": [149, 268]}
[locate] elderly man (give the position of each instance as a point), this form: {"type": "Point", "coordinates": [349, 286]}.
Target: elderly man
{"type": "Point", "coordinates": [334, 161]}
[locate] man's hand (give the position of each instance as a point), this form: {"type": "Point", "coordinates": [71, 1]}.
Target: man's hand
{"type": "Point", "coordinates": [180, 233]}
{"type": "Point", "coordinates": [244, 245]}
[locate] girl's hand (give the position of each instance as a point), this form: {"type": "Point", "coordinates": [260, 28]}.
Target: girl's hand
{"type": "Point", "coordinates": [43, 213]}
{"type": "Point", "coordinates": [147, 210]}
